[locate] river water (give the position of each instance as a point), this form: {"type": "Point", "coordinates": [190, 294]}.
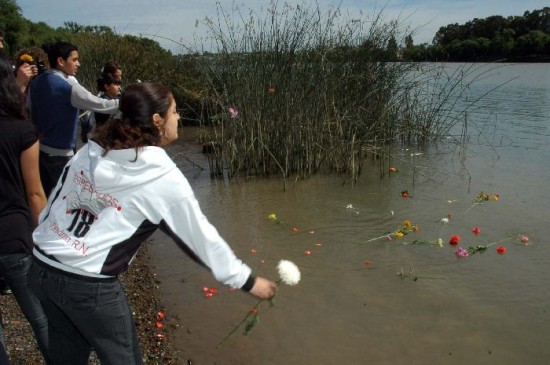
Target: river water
{"type": "Point", "coordinates": [351, 306]}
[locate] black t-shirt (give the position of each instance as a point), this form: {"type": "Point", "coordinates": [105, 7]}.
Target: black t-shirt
{"type": "Point", "coordinates": [15, 227]}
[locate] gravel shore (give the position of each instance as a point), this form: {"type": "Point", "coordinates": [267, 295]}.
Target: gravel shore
{"type": "Point", "coordinates": [143, 296]}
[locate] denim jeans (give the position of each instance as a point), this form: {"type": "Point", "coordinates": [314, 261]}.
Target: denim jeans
{"type": "Point", "coordinates": [85, 314]}
{"type": "Point", "coordinates": [3, 353]}
{"type": "Point", "coordinates": [15, 269]}
{"type": "Point", "coordinates": [51, 168]}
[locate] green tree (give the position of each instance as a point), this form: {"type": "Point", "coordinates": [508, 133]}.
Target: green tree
{"type": "Point", "coordinates": [13, 23]}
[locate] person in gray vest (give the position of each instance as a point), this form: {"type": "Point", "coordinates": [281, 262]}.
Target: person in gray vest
{"type": "Point", "coordinates": [55, 99]}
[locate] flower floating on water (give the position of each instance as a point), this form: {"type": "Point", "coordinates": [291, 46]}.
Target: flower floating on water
{"type": "Point", "coordinates": [444, 220]}
{"type": "Point", "coordinates": [405, 229]}
{"type": "Point", "coordinates": [523, 239]}
{"type": "Point", "coordinates": [412, 277]}
{"type": "Point", "coordinates": [289, 274]}
{"type": "Point", "coordinates": [271, 90]}
{"type": "Point", "coordinates": [476, 230]}
{"type": "Point", "coordinates": [437, 242]}
{"type": "Point", "coordinates": [349, 206]}
{"type": "Point", "coordinates": [484, 197]}
{"type": "Point", "coordinates": [405, 194]}
{"type": "Point", "coordinates": [272, 217]}
{"type": "Point", "coordinates": [501, 250]}
{"type": "Point", "coordinates": [460, 252]}
{"type": "Point", "coordinates": [454, 240]}
{"type": "Point", "coordinates": [233, 113]}
{"type": "Point", "coordinates": [26, 58]}
{"type": "Point", "coordinates": [393, 169]}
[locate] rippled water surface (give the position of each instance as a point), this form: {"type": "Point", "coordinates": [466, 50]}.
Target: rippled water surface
{"type": "Point", "coordinates": [351, 307]}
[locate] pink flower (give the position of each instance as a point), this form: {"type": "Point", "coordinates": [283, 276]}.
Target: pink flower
{"type": "Point", "coordinates": [233, 113]}
{"type": "Point", "coordinates": [524, 239]}
{"type": "Point", "coordinates": [462, 252]}
{"type": "Point", "coordinates": [476, 230]}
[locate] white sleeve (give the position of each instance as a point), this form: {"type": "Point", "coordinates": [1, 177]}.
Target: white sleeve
{"type": "Point", "coordinates": [190, 228]}
{"type": "Point", "coordinates": [83, 99]}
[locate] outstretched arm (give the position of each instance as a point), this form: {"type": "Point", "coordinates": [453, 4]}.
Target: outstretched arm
{"type": "Point", "coordinates": [36, 198]}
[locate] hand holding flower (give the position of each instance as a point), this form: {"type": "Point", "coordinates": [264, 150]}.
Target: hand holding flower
{"type": "Point", "coordinates": [263, 288]}
{"type": "Point", "coordinates": [289, 274]}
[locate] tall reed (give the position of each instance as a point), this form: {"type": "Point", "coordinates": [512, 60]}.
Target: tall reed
{"type": "Point", "coordinates": [296, 91]}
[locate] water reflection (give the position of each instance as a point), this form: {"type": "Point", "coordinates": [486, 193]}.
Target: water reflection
{"type": "Point", "coordinates": [488, 309]}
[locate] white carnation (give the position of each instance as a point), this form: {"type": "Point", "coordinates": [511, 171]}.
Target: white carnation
{"type": "Point", "coordinates": [288, 272]}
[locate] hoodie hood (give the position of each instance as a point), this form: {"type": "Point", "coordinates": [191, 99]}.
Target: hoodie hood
{"type": "Point", "coordinates": [121, 169]}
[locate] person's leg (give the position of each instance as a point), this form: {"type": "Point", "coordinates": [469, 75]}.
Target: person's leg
{"type": "Point", "coordinates": [67, 346]}
{"type": "Point", "coordinates": [110, 329]}
{"type": "Point", "coordinates": [15, 269]}
{"type": "Point", "coordinates": [4, 360]}
{"type": "Point", "coordinates": [101, 315]}
{"type": "Point", "coordinates": [51, 168]}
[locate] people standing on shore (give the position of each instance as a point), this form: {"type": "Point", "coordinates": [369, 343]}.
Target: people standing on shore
{"type": "Point", "coordinates": [21, 200]}
{"type": "Point", "coordinates": [116, 191]}
{"type": "Point", "coordinates": [55, 100]}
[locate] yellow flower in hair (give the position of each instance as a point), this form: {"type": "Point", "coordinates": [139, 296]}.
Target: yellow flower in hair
{"type": "Point", "coordinates": [26, 58]}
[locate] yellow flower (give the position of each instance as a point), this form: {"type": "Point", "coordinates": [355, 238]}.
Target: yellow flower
{"type": "Point", "coordinates": [407, 224]}
{"type": "Point", "coordinates": [272, 217]}
{"type": "Point", "coordinates": [415, 228]}
{"type": "Point", "coordinates": [398, 235]}
{"type": "Point", "coordinates": [26, 58]}
{"type": "Point", "coordinates": [496, 197]}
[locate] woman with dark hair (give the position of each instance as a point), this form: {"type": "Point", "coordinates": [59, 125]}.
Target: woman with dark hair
{"type": "Point", "coordinates": [109, 88]}
{"type": "Point", "coordinates": [114, 193]}
{"type": "Point", "coordinates": [22, 199]}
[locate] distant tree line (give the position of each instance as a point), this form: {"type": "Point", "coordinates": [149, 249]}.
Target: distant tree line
{"type": "Point", "coordinates": [515, 38]}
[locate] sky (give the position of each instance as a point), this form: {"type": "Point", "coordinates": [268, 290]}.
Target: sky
{"type": "Point", "coordinates": [175, 22]}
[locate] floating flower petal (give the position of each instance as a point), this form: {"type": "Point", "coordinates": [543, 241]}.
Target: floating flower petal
{"type": "Point", "coordinates": [454, 240]}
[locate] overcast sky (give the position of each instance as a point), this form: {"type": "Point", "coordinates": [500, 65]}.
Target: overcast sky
{"type": "Point", "coordinates": [177, 19]}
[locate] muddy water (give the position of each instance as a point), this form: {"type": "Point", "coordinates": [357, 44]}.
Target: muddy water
{"type": "Point", "coordinates": [351, 306]}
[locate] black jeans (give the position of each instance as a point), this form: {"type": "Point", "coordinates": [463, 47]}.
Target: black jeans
{"type": "Point", "coordinates": [84, 314]}
{"type": "Point", "coordinates": [51, 168]}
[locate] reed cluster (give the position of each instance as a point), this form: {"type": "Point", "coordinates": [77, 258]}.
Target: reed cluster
{"type": "Point", "coordinates": [299, 91]}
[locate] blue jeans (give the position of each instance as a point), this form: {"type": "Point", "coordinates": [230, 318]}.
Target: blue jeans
{"type": "Point", "coordinates": [15, 269]}
{"type": "Point", "coordinates": [85, 314]}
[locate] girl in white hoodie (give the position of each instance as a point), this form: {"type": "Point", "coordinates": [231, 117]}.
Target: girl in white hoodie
{"type": "Point", "coordinates": [113, 194]}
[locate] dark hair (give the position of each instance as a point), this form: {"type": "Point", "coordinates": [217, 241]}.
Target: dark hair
{"type": "Point", "coordinates": [39, 58]}
{"type": "Point", "coordinates": [111, 67]}
{"type": "Point", "coordinates": [132, 126]}
{"type": "Point", "coordinates": [58, 49]}
{"type": "Point", "coordinates": [107, 79]}
{"type": "Point", "coordinates": [11, 98]}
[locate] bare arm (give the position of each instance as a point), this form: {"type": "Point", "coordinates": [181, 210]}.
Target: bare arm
{"type": "Point", "coordinates": [36, 198]}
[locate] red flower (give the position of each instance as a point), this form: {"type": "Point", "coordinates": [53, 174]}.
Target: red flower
{"type": "Point", "coordinates": [476, 230]}
{"type": "Point", "coordinates": [393, 169]}
{"type": "Point", "coordinates": [271, 90]}
{"type": "Point", "coordinates": [501, 250]}
{"type": "Point", "coordinates": [454, 240]}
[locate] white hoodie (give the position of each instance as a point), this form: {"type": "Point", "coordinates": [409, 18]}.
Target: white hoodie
{"type": "Point", "coordinates": [104, 207]}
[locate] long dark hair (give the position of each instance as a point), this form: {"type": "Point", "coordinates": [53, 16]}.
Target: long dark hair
{"type": "Point", "coordinates": [11, 98]}
{"type": "Point", "coordinates": [132, 126]}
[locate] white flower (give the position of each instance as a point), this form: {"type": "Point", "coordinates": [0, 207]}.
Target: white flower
{"type": "Point", "coordinates": [440, 242]}
{"type": "Point", "coordinates": [288, 272]}
{"type": "Point", "coordinates": [349, 206]}
{"type": "Point", "coordinates": [444, 220]}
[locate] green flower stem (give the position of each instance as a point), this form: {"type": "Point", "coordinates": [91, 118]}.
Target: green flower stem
{"type": "Point", "coordinates": [250, 313]}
